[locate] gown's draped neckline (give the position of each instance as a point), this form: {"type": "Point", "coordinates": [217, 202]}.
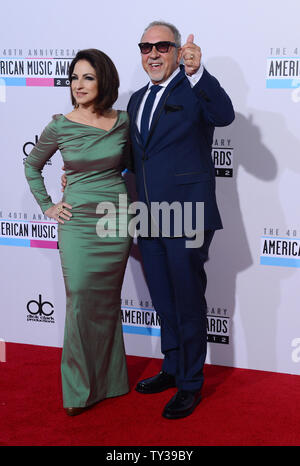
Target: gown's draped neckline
{"type": "Point", "coordinates": [95, 127]}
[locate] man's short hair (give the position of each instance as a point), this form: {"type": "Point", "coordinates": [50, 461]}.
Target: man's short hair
{"type": "Point", "coordinates": [177, 35]}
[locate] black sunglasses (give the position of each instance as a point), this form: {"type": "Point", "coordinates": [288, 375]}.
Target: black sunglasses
{"type": "Point", "coordinates": [161, 47]}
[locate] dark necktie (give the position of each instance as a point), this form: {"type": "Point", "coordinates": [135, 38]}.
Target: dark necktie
{"type": "Point", "coordinates": [147, 111]}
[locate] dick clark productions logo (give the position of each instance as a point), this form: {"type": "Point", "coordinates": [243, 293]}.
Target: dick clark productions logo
{"type": "Point", "coordinates": [39, 310]}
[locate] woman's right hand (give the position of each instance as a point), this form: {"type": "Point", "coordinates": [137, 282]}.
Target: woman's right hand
{"type": "Point", "coordinates": [59, 212]}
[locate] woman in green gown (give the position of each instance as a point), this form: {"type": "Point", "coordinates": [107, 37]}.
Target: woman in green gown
{"type": "Point", "coordinates": [93, 140]}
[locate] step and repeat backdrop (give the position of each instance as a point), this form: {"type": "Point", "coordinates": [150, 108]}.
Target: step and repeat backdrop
{"type": "Point", "coordinates": [253, 48]}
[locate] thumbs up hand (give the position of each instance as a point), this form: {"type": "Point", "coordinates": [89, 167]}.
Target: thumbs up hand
{"type": "Point", "coordinates": [191, 55]}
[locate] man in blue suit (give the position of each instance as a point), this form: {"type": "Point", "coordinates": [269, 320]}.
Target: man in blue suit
{"type": "Point", "coordinates": [171, 141]}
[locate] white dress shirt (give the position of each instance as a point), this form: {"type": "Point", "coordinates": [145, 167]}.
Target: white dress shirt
{"type": "Point", "coordinates": [192, 79]}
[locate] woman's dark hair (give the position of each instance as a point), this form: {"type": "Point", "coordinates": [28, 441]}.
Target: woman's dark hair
{"type": "Point", "coordinates": [107, 76]}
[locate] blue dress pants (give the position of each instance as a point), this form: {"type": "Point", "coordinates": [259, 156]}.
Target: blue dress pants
{"type": "Point", "coordinates": [177, 283]}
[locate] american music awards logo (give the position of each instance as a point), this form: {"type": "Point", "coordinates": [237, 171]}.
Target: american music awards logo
{"type": "Point", "coordinates": [222, 156]}
{"type": "Point", "coordinates": [35, 67]}
{"type": "Point", "coordinates": [140, 318]}
{"type": "Point", "coordinates": [218, 325]}
{"type": "Point", "coordinates": [283, 70]}
{"type": "Point", "coordinates": [280, 248]}
{"type": "Point", "coordinates": [24, 230]}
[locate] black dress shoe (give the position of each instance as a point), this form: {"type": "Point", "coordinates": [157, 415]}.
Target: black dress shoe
{"type": "Point", "coordinates": [156, 384]}
{"type": "Point", "coordinates": [182, 404]}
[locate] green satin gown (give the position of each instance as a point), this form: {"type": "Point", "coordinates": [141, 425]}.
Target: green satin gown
{"type": "Point", "coordinates": [93, 365]}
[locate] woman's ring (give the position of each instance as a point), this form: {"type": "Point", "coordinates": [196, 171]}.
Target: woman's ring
{"type": "Point", "coordinates": [59, 210]}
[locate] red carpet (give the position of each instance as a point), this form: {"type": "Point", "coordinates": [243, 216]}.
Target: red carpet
{"type": "Point", "coordinates": [239, 408]}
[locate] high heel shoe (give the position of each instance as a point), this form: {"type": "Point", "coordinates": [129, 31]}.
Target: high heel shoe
{"type": "Point", "coordinates": [76, 411]}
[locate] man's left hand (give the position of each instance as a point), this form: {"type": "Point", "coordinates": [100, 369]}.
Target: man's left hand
{"type": "Point", "coordinates": [191, 55]}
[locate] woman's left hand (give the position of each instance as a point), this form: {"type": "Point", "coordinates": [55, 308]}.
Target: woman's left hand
{"type": "Point", "coordinates": [59, 212]}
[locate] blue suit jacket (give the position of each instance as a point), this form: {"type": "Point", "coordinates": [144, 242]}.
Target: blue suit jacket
{"type": "Point", "coordinates": [175, 164]}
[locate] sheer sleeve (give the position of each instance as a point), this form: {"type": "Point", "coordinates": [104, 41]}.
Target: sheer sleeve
{"type": "Point", "coordinates": [44, 149]}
